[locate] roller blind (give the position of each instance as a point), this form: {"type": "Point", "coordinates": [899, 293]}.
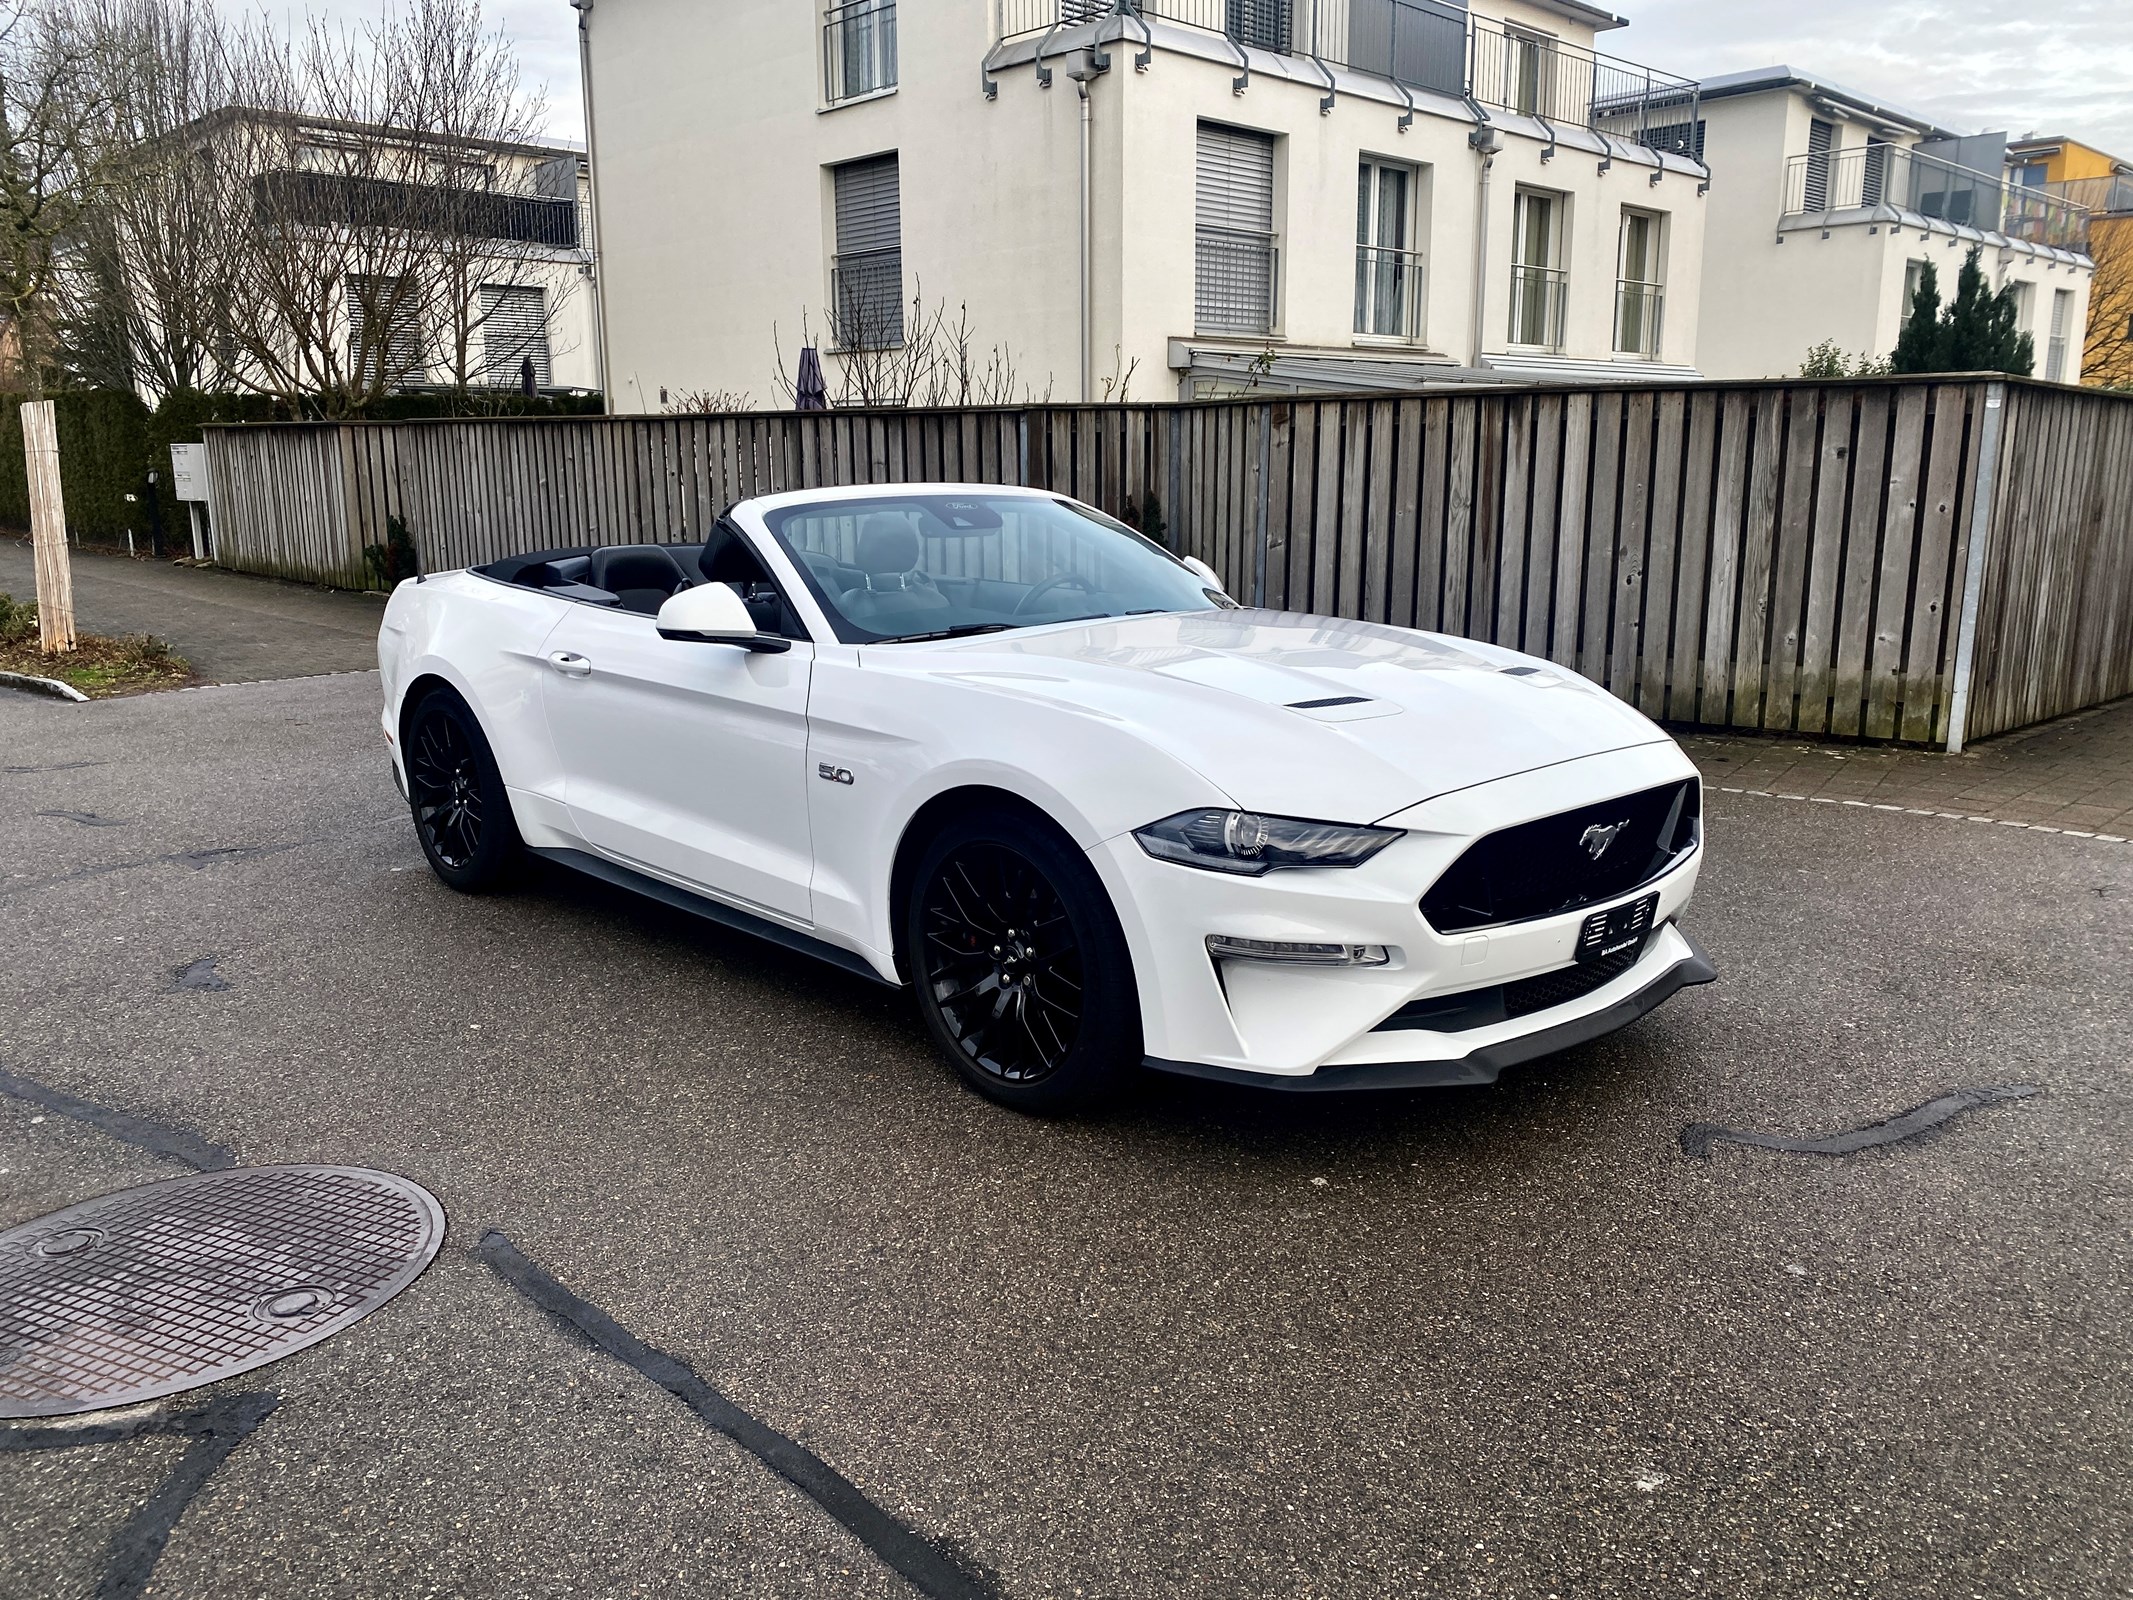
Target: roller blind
{"type": "Point", "coordinates": [1234, 265]}
{"type": "Point", "coordinates": [515, 329]}
{"type": "Point", "coordinates": [869, 207]}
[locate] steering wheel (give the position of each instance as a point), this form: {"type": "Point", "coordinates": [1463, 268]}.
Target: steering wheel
{"type": "Point", "coordinates": [1056, 581]}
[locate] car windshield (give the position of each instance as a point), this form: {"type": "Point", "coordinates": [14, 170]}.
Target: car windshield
{"type": "Point", "coordinates": [925, 566]}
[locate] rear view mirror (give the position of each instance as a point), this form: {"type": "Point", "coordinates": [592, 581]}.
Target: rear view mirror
{"type": "Point", "coordinates": [1205, 573]}
{"type": "Point", "coordinates": [711, 613]}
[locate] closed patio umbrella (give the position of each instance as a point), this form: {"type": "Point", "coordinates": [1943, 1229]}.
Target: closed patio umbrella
{"type": "Point", "coordinates": [810, 393]}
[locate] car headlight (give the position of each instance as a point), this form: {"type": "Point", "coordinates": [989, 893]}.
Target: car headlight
{"type": "Point", "coordinates": [1251, 845]}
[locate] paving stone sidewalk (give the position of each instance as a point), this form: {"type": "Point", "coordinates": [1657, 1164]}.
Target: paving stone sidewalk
{"type": "Point", "coordinates": [232, 627]}
{"type": "Point", "coordinates": [2074, 775]}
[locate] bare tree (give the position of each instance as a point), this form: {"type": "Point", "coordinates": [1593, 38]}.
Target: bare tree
{"type": "Point", "coordinates": [51, 107]}
{"type": "Point", "coordinates": [2107, 356]}
{"type": "Point", "coordinates": [142, 275]}
{"type": "Point", "coordinates": [375, 202]}
{"type": "Point", "coordinates": [887, 354]}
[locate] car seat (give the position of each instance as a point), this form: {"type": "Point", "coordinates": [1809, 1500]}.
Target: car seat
{"type": "Point", "coordinates": [641, 577]}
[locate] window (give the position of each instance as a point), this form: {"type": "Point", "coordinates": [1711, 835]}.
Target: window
{"type": "Point", "coordinates": [1820, 137]}
{"type": "Point", "coordinates": [1388, 269]}
{"type": "Point", "coordinates": [1235, 259]}
{"type": "Point", "coordinates": [1914, 274]}
{"type": "Point", "coordinates": [2024, 296]}
{"type": "Point", "coordinates": [901, 566]}
{"type": "Point", "coordinates": [1640, 284]}
{"type": "Point", "coordinates": [384, 335]}
{"type": "Point", "coordinates": [1538, 283]}
{"type": "Point", "coordinates": [1530, 72]}
{"type": "Point", "coordinates": [514, 331]}
{"type": "Point", "coordinates": [867, 272]}
{"type": "Point", "coordinates": [858, 49]}
{"type": "Point", "coordinates": [1263, 24]}
{"type": "Point", "coordinates": [2062, 320]}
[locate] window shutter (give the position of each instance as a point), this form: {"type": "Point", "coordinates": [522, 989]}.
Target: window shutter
{"type": "Point", "coordinates": [869, 207]}
{"type": "Point", "coordinates": [1234, 210]}
{"type": "Point", "coordinates": [868, 277]}
{"type": "Point", "coordinates": [514, 328]}
{"type": "Point", "coordinates": [1236, 180]}
{"type": "Point", "coordinates": [401, 356]}
{"type": "Point", "coordinates": [1820, 136]}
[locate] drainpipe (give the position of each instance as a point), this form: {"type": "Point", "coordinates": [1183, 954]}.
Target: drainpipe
{"type": "Point", "coordinates": [1486, 141]}
{"type": "Point", "coordinates": [1088, 247]}
{"type": "Point", "coordinates": [592, 159]}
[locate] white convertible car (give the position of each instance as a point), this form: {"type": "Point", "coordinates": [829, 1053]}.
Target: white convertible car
{"type": "Point", "coordinates": [992, 744]}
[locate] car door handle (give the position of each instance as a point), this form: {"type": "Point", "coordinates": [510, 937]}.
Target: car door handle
{"type": "Point", "coordinates": [571, 665]}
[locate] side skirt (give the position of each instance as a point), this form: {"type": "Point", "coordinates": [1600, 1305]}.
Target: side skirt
{"type": "Point", "coordinates": [712, 910]}
{"type": "Point", "coordinates": [1477, 1066]}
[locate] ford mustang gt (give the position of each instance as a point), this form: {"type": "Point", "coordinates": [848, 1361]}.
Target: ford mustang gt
{"type": "Point", "coordinates": [993, 745]}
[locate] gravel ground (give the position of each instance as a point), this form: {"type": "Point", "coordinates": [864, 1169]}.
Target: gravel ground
{"type": "Point", "coordinates": [1502, 1342]}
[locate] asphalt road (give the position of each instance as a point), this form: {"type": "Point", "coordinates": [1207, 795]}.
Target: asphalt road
{"type": "Point", "coordinates": [1503, 1342]}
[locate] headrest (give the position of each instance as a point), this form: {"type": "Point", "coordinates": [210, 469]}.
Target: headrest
{"type": "Point", "coordinates": [635, 566]}
{"type": "Point", "coordinates": [887, 544]}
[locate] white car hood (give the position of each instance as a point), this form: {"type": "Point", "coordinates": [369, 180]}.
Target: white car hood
{"type": "Point", "coordinates": [1231, 693]}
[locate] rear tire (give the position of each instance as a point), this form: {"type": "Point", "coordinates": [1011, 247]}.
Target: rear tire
{"type": "Point", "coordinates": [1022, 972]}
{"type": "Point", "coordinates": [456, 795]}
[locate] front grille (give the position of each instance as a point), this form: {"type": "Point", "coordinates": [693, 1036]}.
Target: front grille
{"type": "Point", "coordinates": [1501, 1002]}
{"type": "Point", "coordinates": [1547, 867]}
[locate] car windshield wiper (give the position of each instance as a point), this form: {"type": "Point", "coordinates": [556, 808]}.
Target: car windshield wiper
{"type": "Point", "coordinates": [960, 631]}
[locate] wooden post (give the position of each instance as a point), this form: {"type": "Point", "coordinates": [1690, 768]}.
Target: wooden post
{"type": "Point", "coordinates": [48, 528]}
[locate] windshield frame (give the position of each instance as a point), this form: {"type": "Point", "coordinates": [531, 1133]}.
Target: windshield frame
{"type": "Point", "coordinates": [848, 631]}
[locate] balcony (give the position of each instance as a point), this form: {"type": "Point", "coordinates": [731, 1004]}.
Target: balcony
{"type": "Point", "coordinates": [1388, 293]}
{"type": "Point", "coordinates": [1640, 310]}
{"type": "Point", "coordinates": [858, 50]}
{"type": "Point", "coordinates": [1235, 279]}
{"type": "Point", "coordinates": [1882, 176]}
{"type": "Point", "coordinates": [1426, 45]}
{"type": "Point", "coordinates": [1540, 298]}
{"type": "Point", "coordinates": [2113, 194]}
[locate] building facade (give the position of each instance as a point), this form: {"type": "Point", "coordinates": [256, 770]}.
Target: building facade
{"type": "Point", "coordinates": [2103, 184]}
{"type": "Point", "coordinates": [1826, 204]}
{"type": "Point", "coordinates": [1183, 196]}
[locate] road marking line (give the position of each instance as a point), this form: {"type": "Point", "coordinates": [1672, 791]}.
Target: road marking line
{"type": "Point", "coordinates": [1918, 811]}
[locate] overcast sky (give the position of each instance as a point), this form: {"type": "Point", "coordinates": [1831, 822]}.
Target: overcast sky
{"type": "Point", "coordinates": [2049, 67]}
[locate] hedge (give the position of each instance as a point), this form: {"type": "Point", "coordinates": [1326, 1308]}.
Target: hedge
{"type": "Point", "coordinates": [109, 441]}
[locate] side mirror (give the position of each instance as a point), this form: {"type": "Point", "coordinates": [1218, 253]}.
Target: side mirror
{"type": "Point", "coordinates": [711, 613]}
{"type": "Point", "coordinates": [1205, 573]}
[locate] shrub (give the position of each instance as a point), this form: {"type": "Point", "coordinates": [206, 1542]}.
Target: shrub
{"type": "Point", "coordinates": [396, 559]}
{"type": "Point", "coordinates": [18, 620]}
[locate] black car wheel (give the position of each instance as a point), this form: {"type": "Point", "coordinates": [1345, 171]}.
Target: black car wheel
{"type": "Point", "coordinates": [1022, 973]}
{"type": "Point", "coordinates": [462, 815]}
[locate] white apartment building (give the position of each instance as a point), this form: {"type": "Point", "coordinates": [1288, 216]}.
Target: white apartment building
{"type": "Point", "coordinates": [1824, 206]}
{"type": "Point", "coordinates": [491, 240]}
{"type": "Point", "coordinates": [1203, 194]}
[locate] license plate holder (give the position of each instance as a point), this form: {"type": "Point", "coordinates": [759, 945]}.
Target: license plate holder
{"type": "Point", "coordinates": [1617, 930]}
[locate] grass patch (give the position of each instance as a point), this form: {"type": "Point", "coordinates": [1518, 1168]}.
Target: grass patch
{"type": "Point", "coordinates": [97, 666]}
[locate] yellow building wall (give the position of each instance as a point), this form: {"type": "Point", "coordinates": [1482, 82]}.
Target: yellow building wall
{"type": "Point", "coordinates": [2108, 357]}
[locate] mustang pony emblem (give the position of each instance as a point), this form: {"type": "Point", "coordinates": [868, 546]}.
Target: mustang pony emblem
{"type": "Point", "coordinates": [1599, 836]}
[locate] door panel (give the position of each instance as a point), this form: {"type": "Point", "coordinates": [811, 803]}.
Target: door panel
{"type": "Point", "coordinates": [688, 759]}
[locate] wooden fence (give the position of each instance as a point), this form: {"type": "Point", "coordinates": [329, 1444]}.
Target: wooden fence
{"type": "Point", "coordinates": [1912, 560]}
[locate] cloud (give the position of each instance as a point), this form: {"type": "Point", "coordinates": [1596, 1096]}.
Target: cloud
{"type": "Point", "coordinates": [2053, 67]}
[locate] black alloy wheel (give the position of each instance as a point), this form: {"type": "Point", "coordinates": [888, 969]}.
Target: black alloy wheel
{"type": "Point", "coordinates": [1022, 972]}
{"type": "Point", "coordinates": [462, 814]}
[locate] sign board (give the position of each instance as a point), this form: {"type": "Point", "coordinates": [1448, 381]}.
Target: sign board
{"type": "Point", "coordinates": [188, 471]}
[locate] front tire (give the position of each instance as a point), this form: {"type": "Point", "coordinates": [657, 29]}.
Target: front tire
{"type": "Point", "coordinates": [456, 794]}
{"type": "Point", "coordinates": [1022, 972]}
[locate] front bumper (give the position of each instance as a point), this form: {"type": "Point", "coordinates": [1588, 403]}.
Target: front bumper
{"type": "Point", "coordinates": [1355, 1026]}
{"type": "Point", "coordinates": [1484, 1062]}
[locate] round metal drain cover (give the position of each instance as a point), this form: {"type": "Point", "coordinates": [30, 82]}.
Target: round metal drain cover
{"type": "Point", "coordinates": [180, 1284]}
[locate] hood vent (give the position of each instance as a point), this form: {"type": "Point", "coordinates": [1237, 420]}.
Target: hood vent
{"type": "Point", "coordinates": [1327, 705]}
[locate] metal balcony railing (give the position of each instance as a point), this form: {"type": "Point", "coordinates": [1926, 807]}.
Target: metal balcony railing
{"type": "Point", "coordinates": [1423, 44]}
{"type": "Point", "coordinates": [858, 49]}
{"type": "Point", "coordinates": [1640, 311]}
{"type": "Point", "coordinates": [1388, 292]}
{"type": "Point", "coordinates": [1235, 279]}
{"type": "Point", "coordinates": [1539, 298]}
{"type": "Point", "coordinates": [1869, 176]}
{"type": "Point", "coordinates": [2111, 194]}
{"type": "Point", "coordinates": [867, 300]}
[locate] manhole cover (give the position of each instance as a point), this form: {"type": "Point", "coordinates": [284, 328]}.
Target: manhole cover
{"type": "Point", "coordinates": [184, 1283]}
